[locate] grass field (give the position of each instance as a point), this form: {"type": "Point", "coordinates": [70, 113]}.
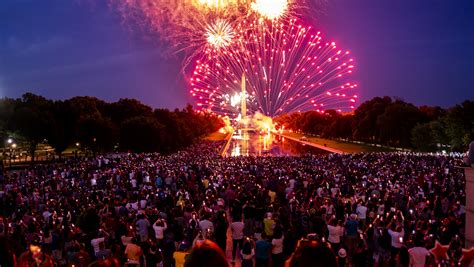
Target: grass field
{"type": "Point", "coordinates": [346, 147]}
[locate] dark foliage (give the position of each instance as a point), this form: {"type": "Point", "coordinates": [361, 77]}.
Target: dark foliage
{"type": "Point", "coordinates": [392, 122]}
{"type": "Point", "coordinates": [98, 126]}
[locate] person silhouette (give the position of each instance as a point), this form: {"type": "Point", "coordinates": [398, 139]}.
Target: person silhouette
{"type": "Point", "coordinates": [470, 154]}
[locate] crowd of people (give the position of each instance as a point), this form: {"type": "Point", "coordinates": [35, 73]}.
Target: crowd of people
{"type": "Point", "coordinates": [185, 209]}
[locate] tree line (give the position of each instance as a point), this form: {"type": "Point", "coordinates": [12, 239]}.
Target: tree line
{"type": "Point", "coordinates": [392, 122]}
{"type": "Point", "coordinates": [98, 126]}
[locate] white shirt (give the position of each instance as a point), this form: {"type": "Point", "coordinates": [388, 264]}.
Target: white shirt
{"type": "Point", "coordinates": [46, 215]}
{"type": "Point", "coordinates": [95, 243]}
{"type": "Point", "coordinates": [159, 230]}
{"type": "Point", "coordinates": [362, 212]}
{"type": "Point", "coordinates": [335, 233]}
{"type": "Point", "coordinates": [418, 256]}
{"type": "Point", "coordinates": [143, 203]}
{"type": "Point", "coordinates": [396, 238]}
{"type": "Point", "coordinates": [237, 230]}
{"type": "Point", "coordinates": [277, 245]}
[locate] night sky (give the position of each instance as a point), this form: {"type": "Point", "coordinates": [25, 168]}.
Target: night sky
{"type": "Point", "coordinates": [421, 51]}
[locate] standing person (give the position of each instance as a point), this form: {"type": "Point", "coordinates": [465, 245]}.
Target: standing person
{"type": "Point", "coordinates": [133, 252]}
{"type": "Point", "coordinates": [384, 244]}
{"type": "Point", "coordinates": [262, 252]}
{"type": "Point", "coordinates": [268, 224]}
{"type": "Point", "coordinates": [160, 227]}
{"type": "Point", "coordinates": [95, 243]}
{"type": "Point", "coordinates": [341, 257]}
{"type": "Point", "coordinates": [360, 256]}
{"type": "Point", "coordinates": [221, 230]}
{"type": "Point", "coordinates": [277, 247]}
{"type": "Point", "coordinates": [180, 255]}
{"type": "Point", "coordinates": [418, 254]}
{"type": "Point", "coordinates": [153, 257]}
{"type": "Point", "coordinates": [142, 226]}
{"type": "Point", "coordinates": [206, 225]}
{"type": "Point", "coordinates": [249, 218]}
{"type": "Point", "coordinates": [351, 227]}
{"type": "Point", "coordinates": [35, 257]}
{"type": "Point", "coordinates": [361, 213]}
{"type": "Point", "coordinates": [237, 228]}
{"type": "Point", "coordinates": [469, 159]}
{"type": "Point", "coordinates": [247, 252]}
{"type": "Point", "coordinates": [336, 231]}
{"type": "Point", "coordinates": [397, 233]}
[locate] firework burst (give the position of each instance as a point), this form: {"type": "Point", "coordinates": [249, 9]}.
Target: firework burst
{"type": "Point", "coordinates": [271, 9]}
{"type": "Point", "coordinates": [193, 26]}
{"type": "Point", "coordinates": [219, 34]}
{"type": "Point", "coordinates": [288, 68]}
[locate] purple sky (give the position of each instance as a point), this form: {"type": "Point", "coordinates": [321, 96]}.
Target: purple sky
{"type": "Point", "coordinates": [419, 50]}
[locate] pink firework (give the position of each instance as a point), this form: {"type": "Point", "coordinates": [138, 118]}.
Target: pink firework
{"type": "Point", "coordinates": [287, 68]}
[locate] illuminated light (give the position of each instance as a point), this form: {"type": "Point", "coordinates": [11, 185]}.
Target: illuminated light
{"type": "Point", "coordinates": [219, 34]}
{"type": "Point", "coordinates": [263, 64]}
{"type": "Point", "coordinates": [270, 9]}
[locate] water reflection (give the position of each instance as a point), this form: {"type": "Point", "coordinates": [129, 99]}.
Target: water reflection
{"type": "Point", "coordinates": [255, 143]}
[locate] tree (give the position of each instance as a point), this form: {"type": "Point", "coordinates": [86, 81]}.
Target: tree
{"type": "Point", "coordinates": [33, 120]}
{"type": "Point", "coordinates": [396, 123]}
{"type": "Point", "coordinates": [93, 130]}
{"type": "Point", "coordinates": [97, 133]}
{"type": "Point", "coordinates": [125, 109]}
{"type": "Point", "coordinates": [142, 134]}
{"type": "Point", "coordinates": [7, 109]}
{"type": "Point", "coordinates": [427, 136]}
{"type": "Point", "coordinates": [63, 128]}
{"type": "Point", "coordinates": [366, 117]}
{"type": "Point", "coordinates": [459, 122]}
{"type": "Point", "coordinates": [422, 138]}
{"type": "Point", "coordinates": [341, 127]}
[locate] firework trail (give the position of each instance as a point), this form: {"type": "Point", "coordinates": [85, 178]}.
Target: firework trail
{"type": "Point", "coordinates": [289, 68]}
{"type": "Point", "coordinates": [194, 26]}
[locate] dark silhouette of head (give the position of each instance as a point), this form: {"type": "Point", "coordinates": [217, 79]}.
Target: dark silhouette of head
{"type": "Point", "coordinates": [313, 254]}
{"type": "Point", "coordinates": [206, 254]}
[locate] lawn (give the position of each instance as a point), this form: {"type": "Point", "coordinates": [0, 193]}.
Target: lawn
{"type": "Point", "coordinates": [346, 147]}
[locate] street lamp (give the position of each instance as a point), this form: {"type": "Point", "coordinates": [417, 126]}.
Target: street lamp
{"type": "Point", "coordinates": [8, 144]}
{"type": "Point", "coordinates": [77, 148]}
{"type": "Point", "coordinates": [12, 153]}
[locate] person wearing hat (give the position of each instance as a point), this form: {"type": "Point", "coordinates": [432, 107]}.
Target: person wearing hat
{"type": "Point", "coordinates": [341, 257]}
